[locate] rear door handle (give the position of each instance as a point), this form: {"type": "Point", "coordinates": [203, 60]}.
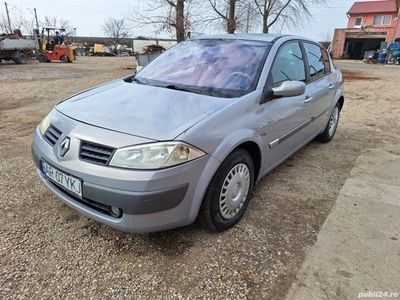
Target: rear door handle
{"type": "Point", "coordinates": [308, 99]}
{"type": "Point", "coordinates": [331, 86]}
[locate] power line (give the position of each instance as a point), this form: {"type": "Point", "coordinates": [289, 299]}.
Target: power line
{"type": "Point", "coordinates": [75, 5]}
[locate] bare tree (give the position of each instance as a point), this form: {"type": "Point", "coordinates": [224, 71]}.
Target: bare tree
{"type": "Point", "coordinates": [236, 15]}
{"type": "Point", "coordinates": [172, 16]}
{"type": "Point", "coordinates": [19, 21]}
{"type": "Point", "coordinates": [116, 29]}
{"type": "Point", "coordinates": [4, 24]}
{"type": "Point", "coordinates": [226, 10]}
{"type": "Point", "coordinates": [291, 12]}
{"type": "Point", "coordinates": [57, 22]}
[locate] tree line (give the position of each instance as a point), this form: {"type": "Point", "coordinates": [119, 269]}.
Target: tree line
{"type": "Point", "coordinates": [182, 17]}
{"type": "Point", "coordinates": [19, 21]}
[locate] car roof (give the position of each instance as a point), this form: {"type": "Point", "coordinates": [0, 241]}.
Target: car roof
{"type": "Point", "coordinates": [265, 37]}
{"type": "Point", "coordinates": [243, 36]}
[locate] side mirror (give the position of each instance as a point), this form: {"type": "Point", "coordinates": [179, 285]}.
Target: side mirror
{"type": "Point", "coordinates": [290, 89]}
{"type": "Point", "coordinates": [139, 68]}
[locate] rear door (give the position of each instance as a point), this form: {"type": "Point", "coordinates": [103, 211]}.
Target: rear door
{"type": "Point", "coordinates": [288, 117]}
{"type": "Point", "coordinates": [320, 84]}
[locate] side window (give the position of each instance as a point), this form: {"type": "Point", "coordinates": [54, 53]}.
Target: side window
{"type": "Point", "coordinates": [387, 20]}
{"type": "Point", "coordinates": [382, 20]}
{"type": "Point", "coordinates": [315, 61]}
{"type": "Point", "coordinates": [327, 62]}
{"type": "Point", "coordinates": [358, 22]}
{"type": "Point", "coordinates": [378, 20]}
{"type": "Point", "coordinates": [288, 64]}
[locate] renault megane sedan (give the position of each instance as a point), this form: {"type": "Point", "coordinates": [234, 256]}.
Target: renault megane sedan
{"type": "Point", "coordinates": [191, 133]}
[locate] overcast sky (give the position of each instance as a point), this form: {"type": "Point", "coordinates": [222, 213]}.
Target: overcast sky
{"type": "Point", "coordinates": [88, 16]}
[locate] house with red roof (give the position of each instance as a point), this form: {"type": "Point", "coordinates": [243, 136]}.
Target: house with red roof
{"type": "Point", "coordinates": [372, 25]}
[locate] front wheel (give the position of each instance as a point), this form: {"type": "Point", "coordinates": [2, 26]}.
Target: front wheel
{"type": "Point", "coordinates": [330, 129]}
{"type": "Point", "coordinates": [228, 194]}
{"type": "Point", "coordinates": [42, 58]}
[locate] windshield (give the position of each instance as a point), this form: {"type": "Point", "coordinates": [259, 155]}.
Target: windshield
{"type": "Point", "coordinates": [228, 68]}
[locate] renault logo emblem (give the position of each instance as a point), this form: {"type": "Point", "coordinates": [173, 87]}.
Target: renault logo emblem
{"type": "Point", "coordinates": [64, 147]}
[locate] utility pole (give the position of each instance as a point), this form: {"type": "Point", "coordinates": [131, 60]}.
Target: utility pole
{"type": "Point", "coordinates": [397, 22]}
{"type": "Point", "coordinates": [248, 19]}
{"type": "Point", "coordinates": [8, 17]}
{"type": "Point", "coordinates": [37, 22]}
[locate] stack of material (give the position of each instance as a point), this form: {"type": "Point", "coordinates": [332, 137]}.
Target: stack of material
{"type": "Point", "coordinates": [153, 49]}
{"type": "Point", "coordinates": [12, 36]}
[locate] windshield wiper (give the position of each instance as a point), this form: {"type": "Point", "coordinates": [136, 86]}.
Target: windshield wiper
{"type": "Point", "coordinates": [180, 88]}
{"type": "Point", "coordinates": [133, 78]}
{"type": "Point", "coordinates": [137, 80]}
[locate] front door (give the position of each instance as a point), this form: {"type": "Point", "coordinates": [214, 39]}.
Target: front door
{"type": "Point", "coordinates": [288, 118]}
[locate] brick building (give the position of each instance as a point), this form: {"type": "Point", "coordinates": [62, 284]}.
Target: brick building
{"type": "Point", "coordinates": [371, 26]}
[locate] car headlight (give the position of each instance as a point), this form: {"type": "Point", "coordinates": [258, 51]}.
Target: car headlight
{"type": "Point", "coordinates": [45, 122]}
{"type": "Point", "coordinates": [155, 156]}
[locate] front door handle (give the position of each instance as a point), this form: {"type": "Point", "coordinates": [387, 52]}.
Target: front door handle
{"type": "Point", "coordinates": [308, 99]}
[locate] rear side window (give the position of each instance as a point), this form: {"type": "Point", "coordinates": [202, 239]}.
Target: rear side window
{"type": "Point", "coordinates": [315, 61]}
{"type": "Point", "coordinates": [327, 62]}
{"type": "Point", "coordinates": [288, 64]}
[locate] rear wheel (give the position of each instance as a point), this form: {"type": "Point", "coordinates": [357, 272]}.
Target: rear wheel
{"type": "Point", "coordinates": [330, 129]}
{"type": "Point", "coordinates": [22, 58]}
{"type": "Point", "coordinates": [65, 59]}
{"type": "Point", "coordinates": [228, 194]}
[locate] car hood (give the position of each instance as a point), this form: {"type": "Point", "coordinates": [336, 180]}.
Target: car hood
{"type": "Point", "coordinates": [142, 110]}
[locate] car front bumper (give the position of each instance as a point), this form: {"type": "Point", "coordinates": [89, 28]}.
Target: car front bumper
{"type": "Point", "coordinates": [149, 200]}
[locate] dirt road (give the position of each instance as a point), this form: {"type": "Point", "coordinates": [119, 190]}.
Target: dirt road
{"type": "Point", "coordinates": [48, 250]}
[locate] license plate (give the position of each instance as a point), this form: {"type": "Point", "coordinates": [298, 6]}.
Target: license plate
{"type": "Point", "coordinates": [70, 183]}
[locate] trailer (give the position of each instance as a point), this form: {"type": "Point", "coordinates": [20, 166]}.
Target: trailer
{"type": "Point", "coordinates": [16, 49]}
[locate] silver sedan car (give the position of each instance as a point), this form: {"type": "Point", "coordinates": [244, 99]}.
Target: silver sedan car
{"type": "Point", "coordinates": [190, 134]}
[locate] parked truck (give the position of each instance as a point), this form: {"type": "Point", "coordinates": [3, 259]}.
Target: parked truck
{"type": "Point", "coordinates": [16, 48]}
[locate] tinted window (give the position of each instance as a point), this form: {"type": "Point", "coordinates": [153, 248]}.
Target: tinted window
{"type": "Point", "coordinates": [358, 21]}
{"type": "Point", "coordinates": [209, 66]}
{"type": "Point", "coordinates": [288, 64]}
{"type": "Point", "coordinates": [315, 61]}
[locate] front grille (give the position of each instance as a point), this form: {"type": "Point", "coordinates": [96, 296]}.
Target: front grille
{"type": "Point", "coordinates": [95, 153]}
{"type": "Point", "coordinates": [52, 135]}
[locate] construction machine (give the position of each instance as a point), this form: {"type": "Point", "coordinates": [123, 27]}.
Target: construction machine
{"type": "Point", "coordinates": [52, 46]}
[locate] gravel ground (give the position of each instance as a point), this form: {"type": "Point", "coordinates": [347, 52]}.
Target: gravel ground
{"type": "Point", "coordinates": [47, 250]}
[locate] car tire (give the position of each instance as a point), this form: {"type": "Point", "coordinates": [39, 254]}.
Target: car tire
{"type": "Point", "coordinates": [22, 58]}
{"type": "Point", "coordinates": [329, 132]}
{"type": "Point", "coordinates": [42, 58]}
{"type": "Point", "coordinates": [229, 192]}
{"type": "Point", "coordinates": [64, 59]}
